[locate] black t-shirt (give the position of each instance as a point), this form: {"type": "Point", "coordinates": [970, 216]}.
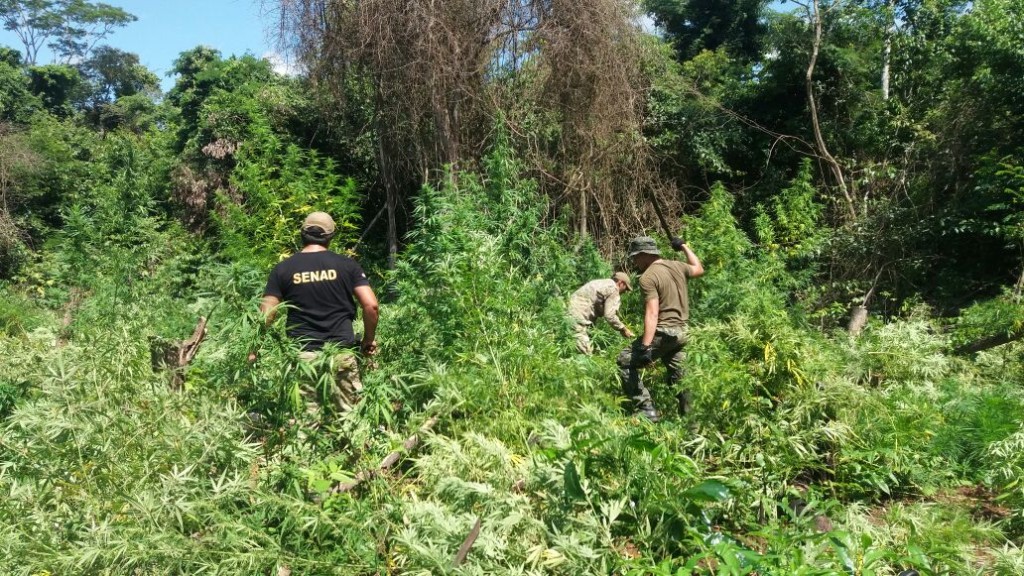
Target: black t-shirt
{"type": "Point", "coordinates": [319, 286]}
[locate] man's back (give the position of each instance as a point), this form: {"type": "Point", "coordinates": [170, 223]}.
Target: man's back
{"type": "Point", "coordinates": [319, 288]}
{"type": "Point", "coordinates": [666, 279]}
{"type": "Point", "coordinates": [590, 299]}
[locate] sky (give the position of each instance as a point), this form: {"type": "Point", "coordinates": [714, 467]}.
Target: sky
{"type": "Point", "coordinates": [165, 28]}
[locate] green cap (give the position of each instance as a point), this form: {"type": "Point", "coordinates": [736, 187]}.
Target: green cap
{"type": "Point", "coordinates": [643, 245]}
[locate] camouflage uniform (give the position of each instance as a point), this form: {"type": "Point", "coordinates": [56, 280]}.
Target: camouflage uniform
{"type": "Point", "coordinates": [348, 386]}
{"type": "Point", "coordinates": [595, 299]}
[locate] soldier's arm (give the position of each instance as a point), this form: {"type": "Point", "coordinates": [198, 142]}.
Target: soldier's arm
{"type": "Point", "coordinates": [611, 313]}
{"type": "Point", "coordinates": [696, 268]}
{"type": "Point", "coordinates": [268, 307]}
{"type": "Point", "coordinates": [650, 321]}
{"type": "Point", "coordinates": [371, 313]}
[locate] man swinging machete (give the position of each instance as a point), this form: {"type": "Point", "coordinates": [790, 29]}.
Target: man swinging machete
{"type": "Point", "coordinates": [663, 284]}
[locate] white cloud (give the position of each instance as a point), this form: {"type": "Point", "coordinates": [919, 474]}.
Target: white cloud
{"type": "Point", "coordinates": [282, 64]}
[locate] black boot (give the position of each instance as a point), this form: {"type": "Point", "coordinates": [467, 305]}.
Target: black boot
{"type": "Point", "coordinates": [646, 410]}
{"type": "Point", "coordinates": [683, 398]}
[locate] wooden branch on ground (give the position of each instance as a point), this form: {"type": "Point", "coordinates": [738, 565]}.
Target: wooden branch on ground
{"type": "Point", "coordinates": [175, 355]}
{"type": "Point", "coordinates": [388, 461]}
{"type": "Point", "coordinates": [989, 342]}
{"type": "Point", "coordinates": [460, 557]}
{"type": "Point", "coordinates": [190, 347]}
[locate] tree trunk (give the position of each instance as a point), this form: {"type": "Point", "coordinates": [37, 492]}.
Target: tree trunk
{"type": "Point", "coordinates": [583, 213]}
{"type": "Point", "coordinates": [392, 206]}
{"type": "Point", "coordinates": [890, 29]}
{"type": "Point", "coordinates": [385, 162]}
{"type": "Point", "coordinates": [886, 55]}
{"type": "Point", "coordinates": [858, 320]}
{"type": "Point", "coordinates": [1018, 288]}
{"type": "Point", "coordinates": [814, 12]}
{"type": "Point", "coordinates": [859, 313]}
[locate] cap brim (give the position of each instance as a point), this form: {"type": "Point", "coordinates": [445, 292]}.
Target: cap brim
{"type": "Point", "coordinates": [651, 252]}
{"type": "Point", "coordinates": [315, 230]}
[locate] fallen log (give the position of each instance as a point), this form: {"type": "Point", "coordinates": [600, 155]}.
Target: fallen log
{"type": "Point", "coordinates": [388, 461]}
{"type": "Point", "coordinates": [988, 342]}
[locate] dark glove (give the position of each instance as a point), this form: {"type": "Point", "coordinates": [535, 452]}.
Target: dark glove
{"type": "Point", "coordinates": [642, 355]}
{"type": "Point", "coordinates": [677, 244]}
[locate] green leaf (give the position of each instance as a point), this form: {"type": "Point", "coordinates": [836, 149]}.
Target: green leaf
{"type": "Point", "coordinates": [573, 486]}
{"type": "Point", "coordinates": [708, 491]}
{"type": "Point", "coordinates": [843, 552]}
{"type": "Point", "coordinates": [319, 484]}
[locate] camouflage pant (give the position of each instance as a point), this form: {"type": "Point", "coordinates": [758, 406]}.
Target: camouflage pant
{"type": "Point", "coordinates": [582, 330]}
{"type": "Point", "coordinates": [344, 395]}
{"type": "Point", "coordinates": [667, 346]}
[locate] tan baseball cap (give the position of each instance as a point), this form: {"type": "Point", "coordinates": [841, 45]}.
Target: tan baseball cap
{"type": "Point", "coordinates": [321, 220]}
{"type": "Point", "coordinates": [623, 277]}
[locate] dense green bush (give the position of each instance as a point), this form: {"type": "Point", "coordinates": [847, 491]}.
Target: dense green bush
{"type": "Point", "coordinates": [280, 185]}
{"type": "Point", "coordinates": [790, 425]}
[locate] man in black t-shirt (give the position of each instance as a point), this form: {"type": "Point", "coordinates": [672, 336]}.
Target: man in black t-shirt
{"type": "Point", "coordinates": [322, 288]}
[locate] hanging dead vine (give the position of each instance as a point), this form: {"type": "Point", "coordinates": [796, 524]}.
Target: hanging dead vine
{"type": "Point", "coordinates": [564, 78]}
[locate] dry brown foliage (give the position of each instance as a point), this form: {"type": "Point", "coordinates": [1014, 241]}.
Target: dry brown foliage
{"type": "Point", "coordinates": [563, 76]}
{"type": "Point", "coordinates": [16, 159]}
{"type": "Point", "coordinates": [195, 189]}
{"type": "Point", "coordinates": [194, 186]}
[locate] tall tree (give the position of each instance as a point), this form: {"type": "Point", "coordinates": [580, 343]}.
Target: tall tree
{"type": "Point", "coordinates": [59, 87]}
{"type": "Point", "coordinates": [71, 28]}
{"type": "Point", "coordinates": [697, 25]}
{"type": "Point", "coordinates": [115, 73]}
{"type": "Point", "coordinates": [16, 101]}
{"type": "Point", "coordinates": [816, 19]}
{"type": "Point", "coordinates": [112, 74]}
{"type": "Point", "coordinates": [201, 72]}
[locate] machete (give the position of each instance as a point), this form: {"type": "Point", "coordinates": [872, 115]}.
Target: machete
{"type": "Point", "coordinates": [677, 242]}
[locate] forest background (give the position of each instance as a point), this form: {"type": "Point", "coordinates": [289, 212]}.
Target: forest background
{"type": "Point", "coordinates": [851, 173]}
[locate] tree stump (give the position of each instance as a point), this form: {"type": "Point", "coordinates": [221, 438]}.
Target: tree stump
{"type": "Point", "coordinates": [858, 320]}
{"type": "Point", "coordinates": [174, 355]}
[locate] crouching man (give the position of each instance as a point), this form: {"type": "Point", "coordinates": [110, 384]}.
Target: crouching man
{"type": "Point", "coordinates": [596, 299]}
